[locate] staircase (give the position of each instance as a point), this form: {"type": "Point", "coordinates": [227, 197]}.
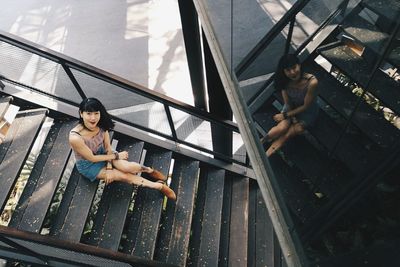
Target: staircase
{"type": "Point", "coordinates": [325, 173]}
{"type": "Point", "coordinates": [62, 219]}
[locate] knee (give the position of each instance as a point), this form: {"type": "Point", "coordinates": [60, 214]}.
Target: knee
{"type": "Point", "coordinates": [298, 129]}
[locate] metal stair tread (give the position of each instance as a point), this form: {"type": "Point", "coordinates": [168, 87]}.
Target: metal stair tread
{"type": "Point", "coordinates": [113, 207]}
{"type": "Point", "coordinates": [365, 32]}
{"type": "Point", "coordinates": [15, 149]}
{"type": "Point", "coordinates": [144, 223]}
{"type": "Point", "coordinates": [387, 8]}
{"type": "Point", "coordinates": [206, 226]}
{"type": "Point", "coordinates": [175, 231]}
{"type": "Point", "coordinates": [373, 124]}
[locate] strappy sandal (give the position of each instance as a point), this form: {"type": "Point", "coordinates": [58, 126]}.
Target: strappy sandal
{"type": "Point", "coordinates": [157, 175]}
{"type": "Point", "coordinates": [168, 192]}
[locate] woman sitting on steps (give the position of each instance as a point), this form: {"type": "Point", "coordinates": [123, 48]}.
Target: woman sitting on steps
{"type": "Point", "coordinates": [95, 159]}
{"type": "Point", "coordinates": [299, 93]}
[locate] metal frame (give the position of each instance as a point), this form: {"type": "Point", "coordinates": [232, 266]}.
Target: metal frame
{"type": "Point", "coordinates": [68, 63]}
{"type": "Point", "coordinates": [7, 235]}
{"type": "Point", "coordinates": [279, 214]}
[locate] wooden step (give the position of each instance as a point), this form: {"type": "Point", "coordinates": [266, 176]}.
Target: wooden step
{"type": "Point", "coordinates": [298, 195]}
{"type": "Point", "coordinates": [144, 223]}
{"type": "Point", "coordinates": [206, 226]}
{"type": "Point", "coordinates": [8, 113]}
{"type": "Point", "coordinates": [75, 205]}
{"type": "Point", "coordinates": [33, 210]}
{"type": "Point", "coordinates": [388, 8]}
{"type": "Point", "coordinates": [16, 147]}
{"type": "Point", "coordinates": [239, 224]}
{"type": "Point", "coordinates": [175, 231]}
{"type": "Point", "coordinates": [356, 154]}
{"type": "Point", "coordinates": [350, 147]}
{"type": "Point", "coordinates": [264, 249]}
{"type": "Point", "coordinates": [113, 208]}
{"type": "Point", "coordinates": [365, 32]}
{"type": "Point", "coordinates": [323, 173]}
{"type": "Point", "coordinates": [74, 208]}
{"type": "Point", "coordinates": [382, 86]}
{"type": "Point", "coordinates": [225, 223]}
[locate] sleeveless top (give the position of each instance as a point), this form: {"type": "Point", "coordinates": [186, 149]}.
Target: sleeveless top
{"type": "Point", "coordinates": [94, 143]}
{"type": "Point", "coordinates": [297, 95]}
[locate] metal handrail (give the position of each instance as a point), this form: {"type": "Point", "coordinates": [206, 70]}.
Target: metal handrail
{"type": "Point", "coordinates": [270, 36]}
{"type": "Point", "coordinates": [69, 63]}
{"type": "Point", "coordinates": [10, 235]}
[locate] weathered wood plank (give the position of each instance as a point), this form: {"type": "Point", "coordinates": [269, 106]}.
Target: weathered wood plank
{"type": "Point", "coordinates": [35, 174]}
{"type": "Point", "coordinates": [266, 248]}
{"type": "Point", "coordinates": [175, 232]}
{"type": "Point", "coordinates": [371, 122]}
{"type": "Point", "coordinates": [16, 148]}
{"type": "Point", "coordinates": [144, 223]}
{"type": "Point", "coordinates": [51, 173]}
{"type": "Point", "coordinates": [113, 207]}
{"type": "Point", "coordinates": [238, 251]}
{"type": "Point", "coordinates": [75, 206]}
{"type": "Point", "coordinates": [208, 220]}
{"type": "Point", "coordinates": [225, 224]}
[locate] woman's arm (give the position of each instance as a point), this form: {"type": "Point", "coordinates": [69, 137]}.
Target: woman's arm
{"type": "Point", "coordinates": [308, 99]}
{"type": "Point", "coordinates": [108, 148]}
{"type": "Point", "coordinates": [79, 146]}
{"type": "Point", "coordinates": [282, 116]}
{"type": "Point", "coordinates": [286, 100]}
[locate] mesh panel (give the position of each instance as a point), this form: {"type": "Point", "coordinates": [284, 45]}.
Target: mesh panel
{"type": "Point", "coordinates": [125, 104]}
{"type": "Point", "coordinates": [33, 70]}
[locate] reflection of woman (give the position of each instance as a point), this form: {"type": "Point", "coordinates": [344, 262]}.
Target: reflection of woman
{"type": "Point", "coordinates": [95, 159]}
{"type": "Point", "coordinates": [299, 92]}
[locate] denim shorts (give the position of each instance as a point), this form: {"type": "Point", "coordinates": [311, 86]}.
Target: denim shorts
{"type": "Point", "coordinates": [89, 169]}
{"type": "Point", "coordinates": [309, 116]}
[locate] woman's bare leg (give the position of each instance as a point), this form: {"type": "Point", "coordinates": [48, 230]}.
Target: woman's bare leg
{"type": "Point", "coordinates": [126, 177]}
{"type": "Point", "coordinates": [293, 130]}
{"type": "Point", "coordinates": [134, 167]}
{"type": "Point", "coordinates": [117, 175]}
{"type": "Point", "coordinates": [280, 129]}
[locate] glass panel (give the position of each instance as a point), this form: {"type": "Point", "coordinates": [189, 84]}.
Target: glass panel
{"type": "Point", "coordinates": [192, 129]}
{"type": "Point", "coordinates": [35, 71]}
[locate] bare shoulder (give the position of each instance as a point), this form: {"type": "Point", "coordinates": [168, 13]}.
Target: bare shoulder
{"type": "Point", "coordinates": [313, 81]}
{"type": "Point", "coordinates": [74, 134]}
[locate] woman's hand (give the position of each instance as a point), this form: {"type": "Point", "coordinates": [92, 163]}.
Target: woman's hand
{"type": "Point", "coordinates": [278, 117]}
{"type": "Point", "coordinates": [109, 177]}
{"type": "Point", "coordinates": [123, 155]}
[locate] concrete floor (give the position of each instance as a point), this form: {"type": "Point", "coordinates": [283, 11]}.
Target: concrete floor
{"type": "Point", "coordinates": [139, 40]}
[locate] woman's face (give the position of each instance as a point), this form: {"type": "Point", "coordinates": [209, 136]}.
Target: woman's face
{"type": "Point", "coordinates": [90, 119]}
{"type": "Point", "coordinates": [293, 72]}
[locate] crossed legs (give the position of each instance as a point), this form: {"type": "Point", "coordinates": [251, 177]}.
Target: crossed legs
{"type": "Point", "coordinates": [126, 171]}
{"type": "Point", "coordinates": [282, 132]}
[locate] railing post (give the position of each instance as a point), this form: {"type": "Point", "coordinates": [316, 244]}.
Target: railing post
{"type": "Point", "coordinates": [192, 38]}
{"type": "Point", "coordinates": [73, 80]}
{"type": "Point", "coordinates": [290, 34]}
{"type": "Point", "coordinates": [171, 122]}
{"type": "Point", "coordinates": [219, 105]}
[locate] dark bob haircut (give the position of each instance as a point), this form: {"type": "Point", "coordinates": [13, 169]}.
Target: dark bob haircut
{"type": "Point", "coordinates": [285, 62]}
{"type": "Point", "coordinates": [92, 104]}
